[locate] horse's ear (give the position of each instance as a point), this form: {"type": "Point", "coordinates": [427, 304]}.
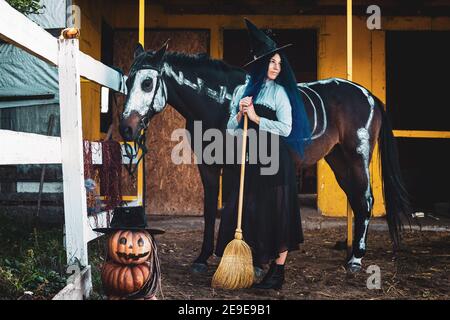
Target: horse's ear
{"type": "Point", "coordinates": [138, 50]}
{"type": "Point", "coordinates": [159, 55]}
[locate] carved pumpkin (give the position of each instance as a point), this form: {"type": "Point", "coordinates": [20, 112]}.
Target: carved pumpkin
{"type": "Point", "coordinates": [130, 247]}
{"type": "Point", "coordinates": [124, 279]}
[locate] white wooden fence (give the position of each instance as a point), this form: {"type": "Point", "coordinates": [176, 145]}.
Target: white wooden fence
{"type": "Point", "coordinates": [26, 148]}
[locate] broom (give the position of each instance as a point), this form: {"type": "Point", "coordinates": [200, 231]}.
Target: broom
{"type": "Point", "coordinates": [235, 270]}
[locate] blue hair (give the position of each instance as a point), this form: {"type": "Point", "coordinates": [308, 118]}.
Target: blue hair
{"type": "Point", "coordinates": [258, 73]}
{"type": "Point", "coordinates": [300, 135]}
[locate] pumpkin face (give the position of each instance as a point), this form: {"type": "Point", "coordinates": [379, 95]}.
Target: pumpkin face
{"type": "Point", "coordinates": [121, 280]}
{"type": "Point", "coordinates": [130, 247]}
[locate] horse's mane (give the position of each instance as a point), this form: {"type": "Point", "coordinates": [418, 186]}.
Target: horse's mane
{"type": "Point", "coordinates": [214, 72]}
{"type": "Point", "coordinates": [198, 61]}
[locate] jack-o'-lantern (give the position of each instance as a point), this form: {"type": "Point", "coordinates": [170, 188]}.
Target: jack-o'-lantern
{"type": "Point", "coordinates": [123, 280]}
{"type": "Point", "coordinates": [130, 246]}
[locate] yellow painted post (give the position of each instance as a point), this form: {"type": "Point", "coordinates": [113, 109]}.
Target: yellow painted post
{"type": "Point", "coordinates": [349, 77]}
{"type": "Point", "coordinates": [141, 21]}
{"type": "Point", "coordinates": [216, 49]}
{"type": "Point", "coordinates": [140, 174]}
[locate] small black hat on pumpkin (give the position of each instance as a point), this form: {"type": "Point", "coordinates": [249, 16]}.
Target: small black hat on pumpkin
{"type": "Point", "coordinates": [129, 218]}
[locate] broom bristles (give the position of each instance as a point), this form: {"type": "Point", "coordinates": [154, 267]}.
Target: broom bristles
{"type": "Point", "coordinates": [235, 270]}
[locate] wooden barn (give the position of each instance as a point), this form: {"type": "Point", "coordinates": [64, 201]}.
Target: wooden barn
{"type": "Point", "coordinates": [400, 53]}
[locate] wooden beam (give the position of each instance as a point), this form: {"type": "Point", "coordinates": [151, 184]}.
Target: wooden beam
{"type": "Point", "coordinates": [75, 210]}
{"type": "Point", "coordinates": [141, 21]}
{"type": "Point", "coordinates": [349, 77]}
{"type": "Point", "coordinates": [33, 174]}
{"type": "Point", "coordinates": [79, 286]}
{"type": "Point", "coordinates": [304, 10]}
{"type": "Point", "coordinates": [421, 134]}
{"type": "Point", "coordinates": [98, 72]}
{"type": "Point", "coordinates": [24, 33]}
{"type": "Point", "coordinates": [23, 197]}
{"type": "Point", "coordinates": [29, 148]}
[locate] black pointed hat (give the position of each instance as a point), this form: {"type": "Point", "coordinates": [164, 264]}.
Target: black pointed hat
{"type": "Point", "coordinates": [129, 218]}
{"type": "Point", "coordinates": [261, 45]}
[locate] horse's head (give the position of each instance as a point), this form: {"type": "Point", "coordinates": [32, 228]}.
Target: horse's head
{"type": "Point", "coordinates": [147, 93]}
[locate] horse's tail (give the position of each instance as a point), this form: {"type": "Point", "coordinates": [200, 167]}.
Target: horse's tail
{"type": "Point", "coordinates": [396, 197]}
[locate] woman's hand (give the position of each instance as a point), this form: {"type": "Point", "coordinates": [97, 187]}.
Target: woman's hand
{"type": "Point", "coordinates": [242, 104]}
{"type": "Point", "coordinates": [250, 111]}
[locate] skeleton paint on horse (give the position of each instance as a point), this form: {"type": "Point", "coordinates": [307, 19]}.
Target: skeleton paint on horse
{"type": "Point", "coordinates": [347, 121]}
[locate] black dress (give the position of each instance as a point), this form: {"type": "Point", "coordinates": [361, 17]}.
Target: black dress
{"type": "Point", "coordinates": [271, 221]}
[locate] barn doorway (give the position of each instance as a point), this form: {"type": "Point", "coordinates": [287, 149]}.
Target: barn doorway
{"type": "Point", "coordinates": [303, 59]}
{"type": "Point", "coordinates": [417, 70]}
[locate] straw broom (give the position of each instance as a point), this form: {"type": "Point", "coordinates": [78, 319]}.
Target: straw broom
{"type": "Point", "coordinates": [235, 270]}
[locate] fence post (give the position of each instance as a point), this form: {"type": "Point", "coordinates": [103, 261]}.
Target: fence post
{"type": "Point", "coordinates": [75, 211]}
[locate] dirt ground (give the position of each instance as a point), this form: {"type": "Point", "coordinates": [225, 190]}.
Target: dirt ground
{"type": "Point", "coordinates": [316, 271]}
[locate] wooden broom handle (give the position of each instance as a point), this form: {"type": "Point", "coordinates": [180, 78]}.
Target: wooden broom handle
{"type": "Point", "coordinates": [241, 185]}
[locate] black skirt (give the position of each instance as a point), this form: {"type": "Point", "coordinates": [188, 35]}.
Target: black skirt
{"type": "Point", "coordinates": [271, 221]}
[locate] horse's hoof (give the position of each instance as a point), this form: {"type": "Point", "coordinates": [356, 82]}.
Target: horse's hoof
{"type": "Point", "coordinates": [199, 268]}
{"type": "Point", "coordinates": [353, 267]}
{"type": "Point", "coordinates": [259, 272]}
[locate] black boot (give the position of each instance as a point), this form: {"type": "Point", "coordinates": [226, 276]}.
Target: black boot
{"type": "Point", "coordinates": [274, 278]}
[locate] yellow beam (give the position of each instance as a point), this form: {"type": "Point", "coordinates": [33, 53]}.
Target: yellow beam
{"type": "Point", "coordinates": [349, 77]}
{"type": "Point", "coordinates": [349, 41]}
{"type": "Point", "coordinates": [140, 175]}
{"type": "Point", "coordinates": [421, 134]}
{"type": "Point", "coordinates": [141, 21]}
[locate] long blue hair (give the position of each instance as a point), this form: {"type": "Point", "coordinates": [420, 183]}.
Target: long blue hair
{"type": "Point", "coordinates": [300, 135]}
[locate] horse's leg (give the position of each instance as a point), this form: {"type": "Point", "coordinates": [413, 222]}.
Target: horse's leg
{"type": "Point", "coordinates": [336, 161]}
{"type": "Point", "coordinates": [210, 179]}
{"type": "Point", "coordinates": [361, 201]}
{"type": "Point", "coordinates": [351, 172]}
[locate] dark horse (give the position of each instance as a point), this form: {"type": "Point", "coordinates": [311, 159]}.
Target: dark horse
{"type": "Point", "coordinates": [347, 121]}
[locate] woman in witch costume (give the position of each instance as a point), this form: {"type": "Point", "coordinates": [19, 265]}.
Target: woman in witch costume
{"type": "Point", "coordinates": [271, 217]}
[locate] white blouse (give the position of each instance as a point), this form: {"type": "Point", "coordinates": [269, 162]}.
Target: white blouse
{"type": "Point", "coordinates": [274, 97]}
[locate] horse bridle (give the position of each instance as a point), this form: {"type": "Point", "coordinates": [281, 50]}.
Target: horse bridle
{"type": "Point", "coordinates": [140, 141]}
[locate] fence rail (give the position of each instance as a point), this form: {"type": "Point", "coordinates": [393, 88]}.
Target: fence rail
{"type": "Point", "coordinates": [26, 148]}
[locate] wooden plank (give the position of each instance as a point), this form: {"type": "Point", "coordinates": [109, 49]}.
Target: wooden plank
{"type": "Point", "coordinates": [29, 148]}
{"type": "Point", "coordinates": [75, 211]}
{"type": "Point", "coordinates": [33, 174]}
{"type": "Point", "coordinates": [48, 187]}
{"type": "Point", "coordinates": [30, 197]}
{"type": "Point", "coordinates": [421, 134]}
{"type": "Point", "coordinates": [24, 33]}
{"type": "Point", "coordinates": [100, 73]}
{"type": "Point", "coordinates": [79, 286]}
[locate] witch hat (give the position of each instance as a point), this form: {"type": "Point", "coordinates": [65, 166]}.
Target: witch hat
{"type": "Point", "coordinates": [261, 45]}
{"type": "Point", "coordinates": [129, 218]}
